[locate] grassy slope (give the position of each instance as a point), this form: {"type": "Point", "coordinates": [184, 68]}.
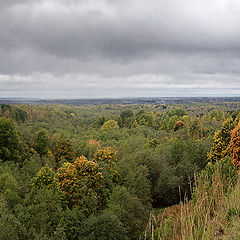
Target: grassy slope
{"type": "Point", "coordinates": [213, 213]}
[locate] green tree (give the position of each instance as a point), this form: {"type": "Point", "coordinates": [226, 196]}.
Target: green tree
{"type": "Point", "coordinates": [20, 115]}
{"type": "Point", "coordinates": [10, 227]}
{"type": "Point", "coordinates": [130, 211]}
{"type": "Point", "coordinates": [100, 121]}
{"type": "Point", "coordinates": [5, 107]}
{"type": "Point", "coordinates": [126, 118]}
{"type": "Point", "coordinates": [9, 141]}
{"type": "Point", "coordinates": [42, 142]}
{"type": "Point", "coordinates": [105, 226]}
{"type": "Point", "coordinates": [41, 214]}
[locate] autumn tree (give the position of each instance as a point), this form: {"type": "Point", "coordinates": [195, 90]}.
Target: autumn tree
{"type": "Point", "coordinates": [44, 178]}
{"type": "Point", "coordinates": [9, 140]}
{"type": "Point", "coordinates": [178, 125]}
{"type": "Point", "coordinates": [110, 125]}
{"type": "Point", "coordinates": [107, 159]}
{"type": "Point", "coordinates": [106, 155]}
{"type": "Point", "coordinates": [64, 149]}
{"type": "Point", "coordinates": [221, 140]}
{"type": "Point", "coordinates": [82, 183]}
{"type": "Point", "coordinates": [235, 146]}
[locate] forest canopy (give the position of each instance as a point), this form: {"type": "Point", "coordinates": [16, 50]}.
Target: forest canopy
{"type": "Point", "coordinates": [98, 172]}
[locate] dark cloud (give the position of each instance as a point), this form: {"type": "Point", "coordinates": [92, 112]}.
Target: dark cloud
{"type": "Point", "coordinates": [122, 48]}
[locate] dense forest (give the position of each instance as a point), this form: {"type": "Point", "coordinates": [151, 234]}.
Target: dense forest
{"type": "Point", "coordinates": [119, 171]}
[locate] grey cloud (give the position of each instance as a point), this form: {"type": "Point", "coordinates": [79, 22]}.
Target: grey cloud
{"type": "Point", "coordinates": [174, 43]}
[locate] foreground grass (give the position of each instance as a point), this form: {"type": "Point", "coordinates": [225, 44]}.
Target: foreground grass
{"type": "Point", "coordinates": [213, 212]}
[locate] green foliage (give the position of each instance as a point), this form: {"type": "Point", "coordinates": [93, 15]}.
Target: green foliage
{"type": "Point", "coordinates": [20, 115]}
{"type": "Point", "coordinates": [168, 123]}
{"type": "Point", "coordinates": [171, 166]}
{"type": "Point", "coordinates": [110, 193]}
{"type": "Point", "coordinates": [154, 143]}
{"type": "Point", "coordinates": [195, 128]}
{"type": "Point", "coordinates": [130, 211]}
{"type": "Point", "coordinates": [41, 214]}
{"type": "Point", "coordinates": [126, 118]}
{"type": "Point", "coordinates": [227, 172]}
{"type": "Point", "coordinates": [177, 112]}
{"type": "Point", "coordinates": [107, 161]}
{"type": "Point", "coordinates": [42, 142]}
{"type": "Point", "coordinates": [100, 121]}
{"type": "Point", "coordinates": [5, 107]}
{"type": "Point", "coordinates": [9, 184]}
{"type": "Point", "coordinates": [148, 119]}
{"type": "Point", "coordinates": [213, 213]}
{"type": "Point", "coordinates": [9, 141]}
{"type": "Point", "coordinates": [10, 227]}
{"type": "Point", "coordinates": [105, 226]}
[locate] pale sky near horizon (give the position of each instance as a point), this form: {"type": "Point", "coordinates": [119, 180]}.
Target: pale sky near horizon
{"type": "Point", "coordinates": [119, 48]}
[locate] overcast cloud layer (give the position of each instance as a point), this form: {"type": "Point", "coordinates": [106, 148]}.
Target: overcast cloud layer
{"type": "Point", "coordinates": [119, 48]}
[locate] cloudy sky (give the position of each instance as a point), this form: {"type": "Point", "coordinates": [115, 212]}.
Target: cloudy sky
{"type": "Point", "coordinates": [119, 48]}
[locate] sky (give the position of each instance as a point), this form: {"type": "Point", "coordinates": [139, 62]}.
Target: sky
{"type": "Point", "coordinates": [119, 48]}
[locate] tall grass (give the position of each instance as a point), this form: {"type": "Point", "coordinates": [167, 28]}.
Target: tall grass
{"type": "Point", "coordinates": [212, 213]}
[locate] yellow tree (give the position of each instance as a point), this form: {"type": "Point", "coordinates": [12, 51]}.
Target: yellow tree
{"type": "Point", "coordinates": [221, 140]}
{"type": "Point", "coordinates": [110, 125]}
{"type": "Point", "coordinates": [64, 149]}
{"type": "Point", "coordinates": [235, 146]}
{"type": "Point", "coordinates": [82, 183]}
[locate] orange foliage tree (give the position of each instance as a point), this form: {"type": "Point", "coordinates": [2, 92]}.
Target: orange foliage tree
{"type": "Point", "coordinates": [106, 155]}
{"type": "Point", "coordinates": [178, 125]}
{"type": "Point", "coordinates": [64, 149]}
{"type": "Point", "coordinates": [82, 183]}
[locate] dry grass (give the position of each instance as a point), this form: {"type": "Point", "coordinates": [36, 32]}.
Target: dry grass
{"type": "Point", "coordinates": [213, 213]}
